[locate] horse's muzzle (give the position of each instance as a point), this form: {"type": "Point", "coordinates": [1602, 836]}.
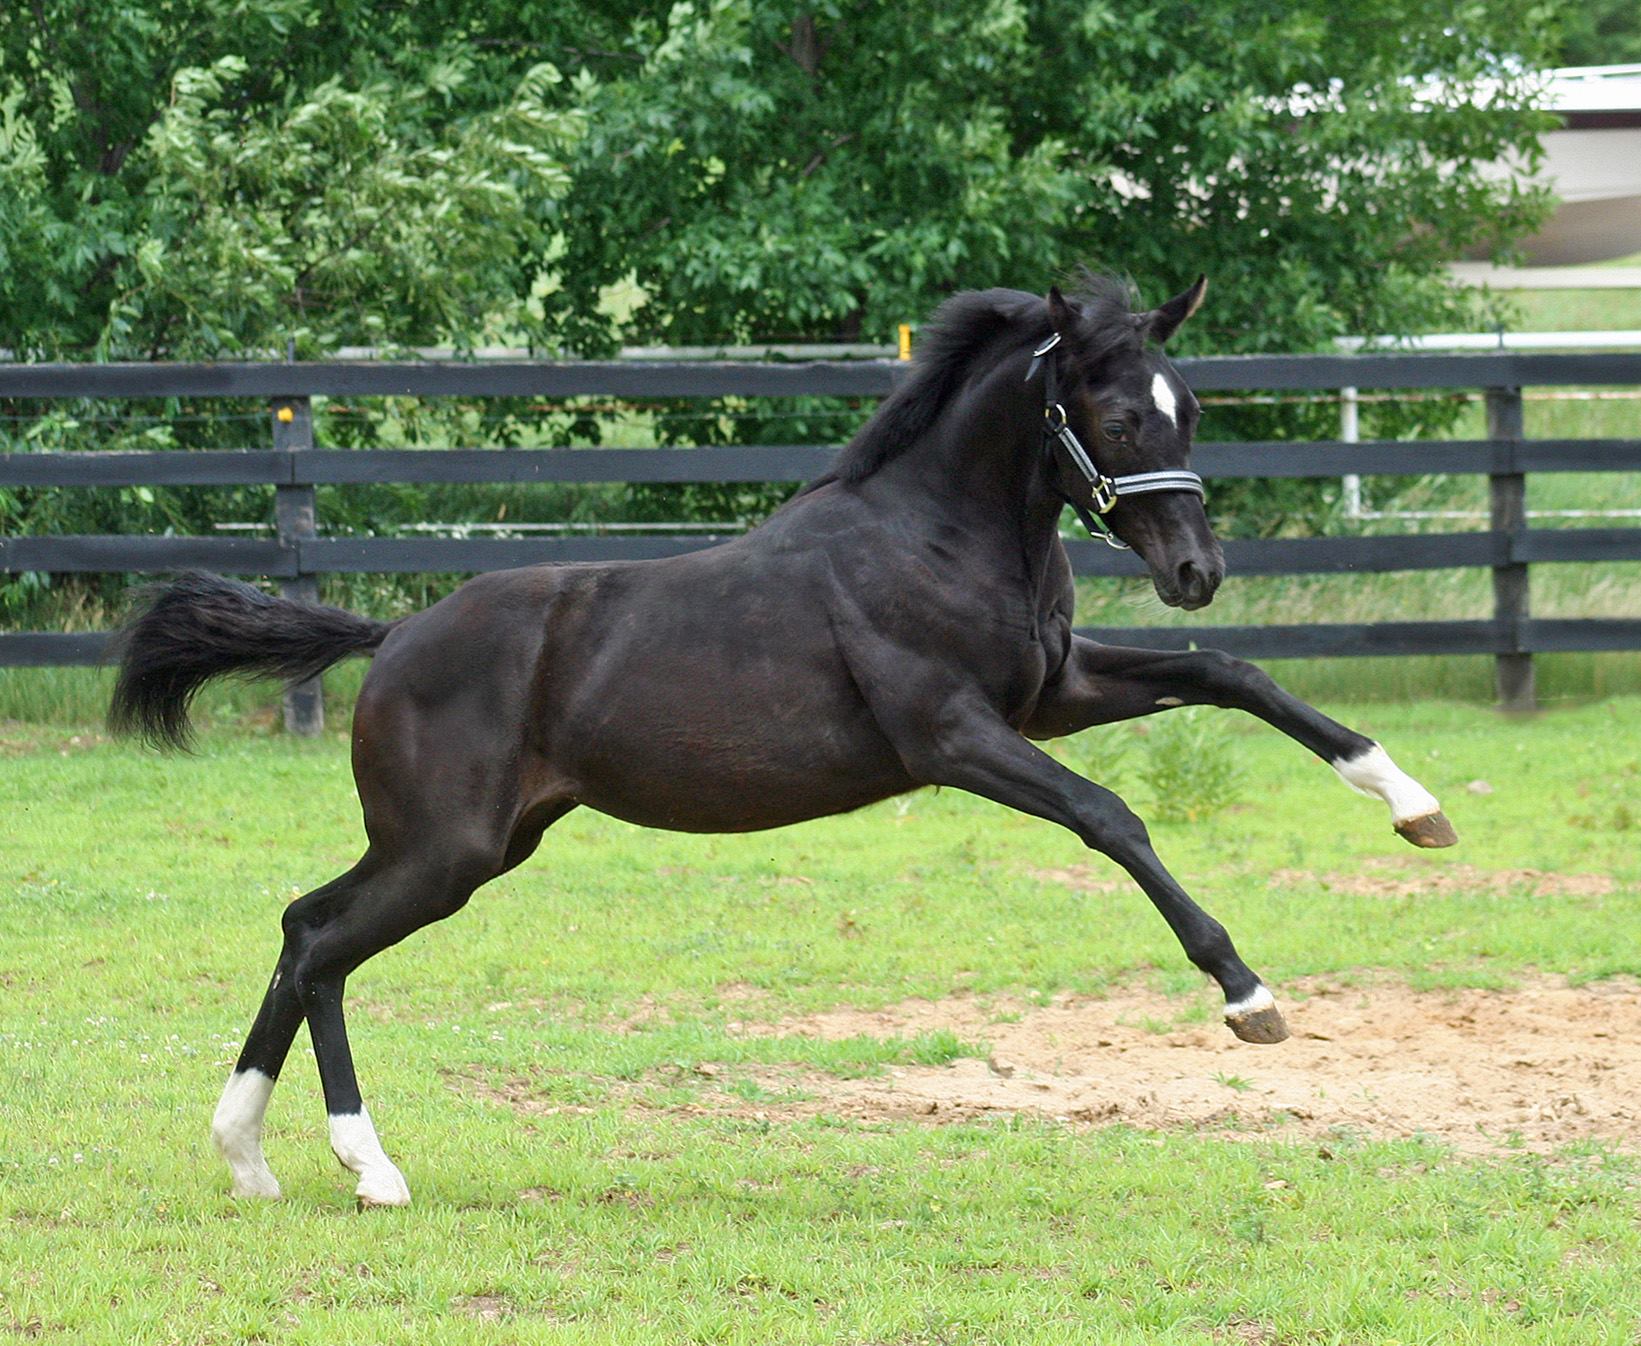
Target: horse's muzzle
{"type": "Point", "coordinates": [1190, 586]}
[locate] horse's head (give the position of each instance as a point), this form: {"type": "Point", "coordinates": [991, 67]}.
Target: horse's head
{"type": "Point", "coordinates": [1133, 416]}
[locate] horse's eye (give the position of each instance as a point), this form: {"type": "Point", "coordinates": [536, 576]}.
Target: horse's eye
{"type": "Point", "coordinates": [1113, 430]}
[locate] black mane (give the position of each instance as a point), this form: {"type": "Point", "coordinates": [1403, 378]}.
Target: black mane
{"type": "Point", "coordinates": [950, 350]}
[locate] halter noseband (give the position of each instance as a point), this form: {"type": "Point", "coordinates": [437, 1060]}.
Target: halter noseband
{"type": "Point", "coordinates": [1106, 489]}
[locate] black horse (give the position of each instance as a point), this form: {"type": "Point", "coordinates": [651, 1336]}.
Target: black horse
{"type": "Point", "coordinates": [903, 621]}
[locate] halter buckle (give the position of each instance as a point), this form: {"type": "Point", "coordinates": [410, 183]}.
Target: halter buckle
{"type": "Point", "coordinates": [1054, 417]}
{"type": "Point", "coordinates": [1104, 493]}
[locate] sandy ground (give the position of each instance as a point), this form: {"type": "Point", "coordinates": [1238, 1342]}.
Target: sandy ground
{"type": "Point", "coordinates": [1534, 1068]}
{"type": "Point", "coordinates": [1483, 1071]}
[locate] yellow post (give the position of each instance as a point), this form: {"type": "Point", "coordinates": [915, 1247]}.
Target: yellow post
{"type": "Point", "coordinates": [905, 341]}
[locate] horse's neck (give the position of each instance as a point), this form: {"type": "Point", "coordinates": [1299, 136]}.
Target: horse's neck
{"type": "Point", "coordinates": [982, 466]}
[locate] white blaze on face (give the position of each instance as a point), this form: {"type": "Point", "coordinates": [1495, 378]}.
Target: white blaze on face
{"type": "Point", "coordinates": [1162, 393]}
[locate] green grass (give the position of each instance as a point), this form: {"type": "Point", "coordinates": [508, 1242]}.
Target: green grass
{"type": "Point", "coordinates": [1599, 310]}
{"type": "Point", "coordinates": [139, 904]}
{"type": "Point", "coordinates": [1576, 310]}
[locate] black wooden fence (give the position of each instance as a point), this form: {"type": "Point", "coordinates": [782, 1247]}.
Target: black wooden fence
{"type": "Point", "coordinates": [298, 553]}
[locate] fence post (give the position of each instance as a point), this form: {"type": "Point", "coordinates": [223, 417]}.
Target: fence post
{"type": "Point", "coordinates": [1350, 432]}
{"type": "Point", "coordinates": [1513, 672]}
{"type": "Point", "coordinates": [294, 520]}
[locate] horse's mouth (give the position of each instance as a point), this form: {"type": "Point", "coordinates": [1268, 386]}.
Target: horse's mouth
{"type": "Point", "coordinates": [1183, 603]}
{"type": "Point", "coordinates": [1190, 596]}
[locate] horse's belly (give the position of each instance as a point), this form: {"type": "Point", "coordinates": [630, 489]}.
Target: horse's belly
{"type": "Point", "coordinates": [697, 812]}
{"type": "Point", "coordinates": [687, 781]}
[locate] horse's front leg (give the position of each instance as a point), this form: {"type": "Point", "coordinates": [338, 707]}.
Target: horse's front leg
{"type": "Point", "coordinates": [974, 750]}
{"type": "Point", "coordinates": [1101, 684]}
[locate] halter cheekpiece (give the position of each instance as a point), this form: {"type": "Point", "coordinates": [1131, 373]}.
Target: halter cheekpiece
{"type": "Point", "coordinates": [1106, 490]}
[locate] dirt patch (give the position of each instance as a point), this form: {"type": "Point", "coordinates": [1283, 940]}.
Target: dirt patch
{"type": "Point", "coordinates": [1484, 1071]}
{"type": "Point", "coordinates": [486, 1308]}
{"type": "Point", "coordinates": [511, 1091]}
{"type": "Point", "coordinates": [1083, 878]}
{"type": "Point", "coordinates": [1391, 878]}
{"type": "Point", "coordinates": [20, 739]}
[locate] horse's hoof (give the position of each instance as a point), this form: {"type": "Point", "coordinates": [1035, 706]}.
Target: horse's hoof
{"type": "Point", "coordinates": [382, 1187]}
{"type": "Point", "coordinates": [1264, 1025]}
{"type": "Point", "coordinates": [1432, 831]}
{"type": "Point", "coordinates": [1257, 1018]}
{"type": "Point", "coordinates": [261, 1187]}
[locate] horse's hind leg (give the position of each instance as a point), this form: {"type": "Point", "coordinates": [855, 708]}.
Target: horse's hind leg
{"type": "Point", "coordinates": [452, 796]}
{"type": "Point", "coordinates": [332, 936]}
{"type": "Point", "coordinates": [328, 933]}
{"type": "Point", "coordinates": [1102, 684]}
{"type": "Point", "coordinates": [236, 1127]}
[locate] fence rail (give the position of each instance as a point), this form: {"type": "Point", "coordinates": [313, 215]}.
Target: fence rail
{"type": "Point", "coordinates": [296, 555]}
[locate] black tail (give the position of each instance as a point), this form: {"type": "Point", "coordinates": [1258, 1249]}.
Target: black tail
{"type": "Point", "coordinates": [202, 626]}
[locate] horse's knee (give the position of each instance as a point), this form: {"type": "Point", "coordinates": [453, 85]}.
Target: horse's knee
{"type": "Point", "coordinates": [1220, 670]}
{"type": "Point", "coordinates": [1117, 831]}
{"type": "Point", "coordinates": [1231, 682]}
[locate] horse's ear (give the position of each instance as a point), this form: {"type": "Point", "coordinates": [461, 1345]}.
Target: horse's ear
{"type": "Point", "coordinates": [1060, 312]}
{"type": "Point", "coordinates": [1161, 323]}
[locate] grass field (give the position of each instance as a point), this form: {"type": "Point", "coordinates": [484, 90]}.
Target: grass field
{"type": "Point", "coordinates": [601, 983]}
{"type": "Point", "coordinates": [540, 1066]}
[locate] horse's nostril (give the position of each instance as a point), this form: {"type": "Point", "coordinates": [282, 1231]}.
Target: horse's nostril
{"type": "Point", "coordinates": [1197, 581]}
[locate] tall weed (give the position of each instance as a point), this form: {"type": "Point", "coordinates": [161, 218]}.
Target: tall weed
{"type": "Point", "coordinates": [1190, 765]}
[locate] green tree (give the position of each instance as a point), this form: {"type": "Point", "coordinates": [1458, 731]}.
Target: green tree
{"type": "Point", "coordinates": [210, 177]}
{"type": "Point", "coordinates": [1600, 32]}
{"type": "Point", "coordinates": [835, 173]}
{"type": "Point", "coordinates": [760, 170]}
{"type": "Point", "coordinates": [831, 173]}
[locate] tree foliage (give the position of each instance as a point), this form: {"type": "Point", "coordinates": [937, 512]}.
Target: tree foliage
{"type": "Point", "coordinates": [1600, 32]}
{"type": "Point", "coordinates": [204, 175]}
{"type": "Point", "coordinates": [205, 178]}
{"type": "Point", "coordinates": [832, 174]}
{"type": "Point", "coordinates": [836, 173]}
{"type": "Point", "coordinates": [211, 177]}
